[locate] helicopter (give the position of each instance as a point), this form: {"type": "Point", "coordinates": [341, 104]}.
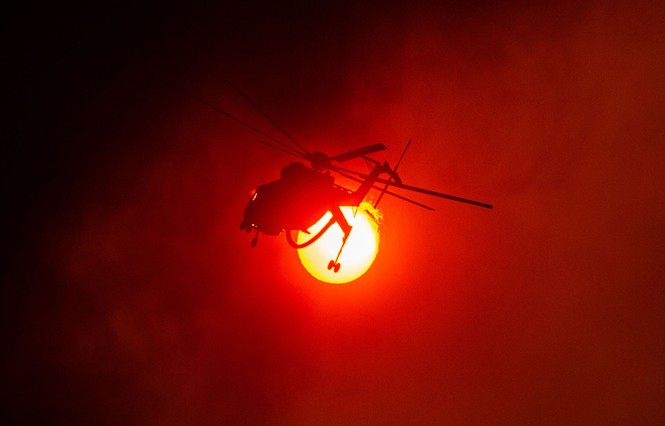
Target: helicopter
{"type": "Point", "coordinates": [304, 193]}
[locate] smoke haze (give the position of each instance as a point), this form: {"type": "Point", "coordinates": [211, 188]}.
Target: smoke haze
{"type": "Point", "coordinates": [130, 296]}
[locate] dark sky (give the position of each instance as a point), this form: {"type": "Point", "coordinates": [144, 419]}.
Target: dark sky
{"type": "Point", "coordinates": [130, 296]}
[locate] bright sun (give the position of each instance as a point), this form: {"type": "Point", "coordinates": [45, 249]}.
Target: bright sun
{"type": "Point", "coordinates": [358, 254]}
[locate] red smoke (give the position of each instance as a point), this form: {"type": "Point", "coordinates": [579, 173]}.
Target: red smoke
{"type": "Point", "coordinates": [145, 303]}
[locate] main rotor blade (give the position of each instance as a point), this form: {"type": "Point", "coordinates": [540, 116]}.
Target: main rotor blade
{"type": "Point", "coordinates": [267, 117]}
{"type": "Point", "coordinates": [417, 189]}
{"type": "Point", "coordinates": [401, 197]}
{"type": "Point", "coordinates": [360, 152]}
{"type": "Point", "coordinates": [214, 107]}
{"type": "Point", "coordinates": [281, 149]}
{"type": "Point", "coordinates": [408, 200]}
{"type": "Point", "coordinates": [438, 194]}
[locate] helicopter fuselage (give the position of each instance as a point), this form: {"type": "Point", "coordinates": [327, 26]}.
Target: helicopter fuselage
{"type": "Point", "coordinates": [296, 201]}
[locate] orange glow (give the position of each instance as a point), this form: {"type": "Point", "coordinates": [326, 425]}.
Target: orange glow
{"type": "Point", "coordinates": [358, 254]}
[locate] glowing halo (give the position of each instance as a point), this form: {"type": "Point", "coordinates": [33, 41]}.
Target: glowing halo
{"type": "Point", "coordinates": [359, 252]}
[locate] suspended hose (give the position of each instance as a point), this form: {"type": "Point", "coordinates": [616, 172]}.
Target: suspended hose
{"type": "Point", "coordinates": [295, 245]}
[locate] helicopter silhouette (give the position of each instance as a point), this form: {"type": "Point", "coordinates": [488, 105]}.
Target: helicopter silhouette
{"type": "Point", "coordinates": [304, 193]}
